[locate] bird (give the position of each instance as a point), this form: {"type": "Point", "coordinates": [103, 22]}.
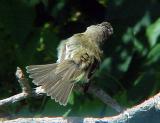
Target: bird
{"type": "Point", "coordinates": [78, 58]}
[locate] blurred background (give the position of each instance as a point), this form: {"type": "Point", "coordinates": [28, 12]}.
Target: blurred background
{"type": "Point", "coordinates": [30, 31]}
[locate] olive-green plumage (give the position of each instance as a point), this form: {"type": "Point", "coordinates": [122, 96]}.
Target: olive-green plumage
{"type": "Point", "coordinates": [78, 58]}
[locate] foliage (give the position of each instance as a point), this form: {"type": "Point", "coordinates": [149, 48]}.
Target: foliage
{"type": "Point", "coordinates": [30, 31]}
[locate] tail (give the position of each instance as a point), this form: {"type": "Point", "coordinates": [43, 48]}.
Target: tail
{"type": "Point", "coordinates": [56, 79]}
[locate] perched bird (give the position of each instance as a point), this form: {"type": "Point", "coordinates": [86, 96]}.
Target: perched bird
{"type": "Point", "coordinates": [78, 58]}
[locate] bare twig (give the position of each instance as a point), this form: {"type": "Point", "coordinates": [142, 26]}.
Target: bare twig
{"type": "Point", "coordinates": [127, 115]}
{"type": "Point", "coordinates": [25, 90]}
{"type": "Point", "coordinates": [13, 99]}
{"type": "Point", "coordinates": [104, 97]}
{"type": "Point", "coordinates": [134, 114]}
{"type": "Point", "coordinates": [23, 81]}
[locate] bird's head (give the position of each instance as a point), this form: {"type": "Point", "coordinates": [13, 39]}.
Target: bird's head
{"type": "Point", "coordinates": [100, 32]}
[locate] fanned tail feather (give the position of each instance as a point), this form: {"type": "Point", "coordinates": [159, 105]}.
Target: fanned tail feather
{"type": "Point", "coordinates": [56, 79]}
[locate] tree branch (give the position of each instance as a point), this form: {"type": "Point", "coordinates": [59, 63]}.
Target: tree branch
{"type": "Point", "coordinates": [104, 97]}
{"type": "Point", "coordinates": [26, 90]}
{"type": "Point", "coordinates": [145, 112]}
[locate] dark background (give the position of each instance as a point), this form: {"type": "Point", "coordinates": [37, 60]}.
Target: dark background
{"type": "Point", "coordinates": [30, 31]}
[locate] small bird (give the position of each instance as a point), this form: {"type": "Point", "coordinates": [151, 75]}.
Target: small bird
{"type": "Point", "coordinates": [78, 58]}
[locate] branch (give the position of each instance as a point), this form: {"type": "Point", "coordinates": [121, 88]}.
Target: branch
{"type": "Point", "coordinates": [104, 97]}
{"type": "Point", "coordinates": [148, 111]}
{"type": "Point", "coordinates": [27, 91]}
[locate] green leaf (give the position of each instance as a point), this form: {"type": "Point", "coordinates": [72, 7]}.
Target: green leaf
{"type": "Point", "coordinates": [153, 32]}
{"type": "Point", "coordinates": [154, 54]}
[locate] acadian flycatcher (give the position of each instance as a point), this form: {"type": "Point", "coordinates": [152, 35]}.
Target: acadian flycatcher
{"type": "Point", "coordinates": [78, 58]}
